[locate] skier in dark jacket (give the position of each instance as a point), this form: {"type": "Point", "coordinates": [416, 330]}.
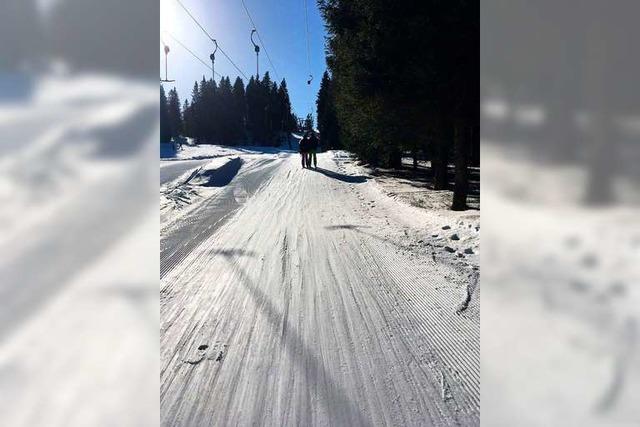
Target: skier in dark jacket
{"type": "Point", "coordinates": [313, 148]}
{"type": "Point", "coordinates": [304, 149]}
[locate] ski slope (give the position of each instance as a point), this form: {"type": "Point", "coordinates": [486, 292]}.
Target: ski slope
{"type": "Point", "coordinates": [297, 299]}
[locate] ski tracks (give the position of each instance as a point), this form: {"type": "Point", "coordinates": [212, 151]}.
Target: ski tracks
{"type": "Point", "coordinates": [318, 323]}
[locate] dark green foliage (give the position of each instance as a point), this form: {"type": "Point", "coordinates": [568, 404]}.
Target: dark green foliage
{"type": "Point", "coordinates": [308, 123]}
{"type": "Point", "coordinates": [165, 127]}
{"type": "Point", "coordinates": [239, 108]}
{"type": "Point", "coordinates": [404, 74]}
{"type": "Point", "coordinates": [226, 114]}
{"type": "Point", "coordinates": [327, 119]}
{"type": "Point", "coordinates": [175, 113]}
{"type": "Point", "coordinates": [287, 118]}
{"type": "Point", "coordinates": [268, 110]}
{"type": "Point", "coordinates": [187, 119]}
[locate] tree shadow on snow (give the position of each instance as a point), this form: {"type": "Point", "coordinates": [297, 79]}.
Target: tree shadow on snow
{"type": "Point", "coordinates": [233, 253]}
{"type": "Point", "coordinates": [350, 179]}
{"type": "Point", "coordinates": [337, 401]}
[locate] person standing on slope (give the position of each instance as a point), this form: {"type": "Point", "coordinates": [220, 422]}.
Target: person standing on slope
{"type": "Point", "coordinates": [313, 148]}
{"type": "Point", "coordinates": [304, 147]}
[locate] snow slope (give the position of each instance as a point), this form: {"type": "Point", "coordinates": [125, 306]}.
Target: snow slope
{"type": "Point", "coordinates": [560, 298]}
{"type": "Point", "coordinates": [78, 227]}
{"type": "Point", "coordinates": [310, 305]}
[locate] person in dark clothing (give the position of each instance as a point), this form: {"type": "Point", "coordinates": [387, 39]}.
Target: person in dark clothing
{"type": "Point", "coordinates": [312, 148]}
{"type": "Point", "coordinates": [304, 148]}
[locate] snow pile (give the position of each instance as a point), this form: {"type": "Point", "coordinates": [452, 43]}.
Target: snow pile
{"type": "Point", "coordinates": [183, 194]}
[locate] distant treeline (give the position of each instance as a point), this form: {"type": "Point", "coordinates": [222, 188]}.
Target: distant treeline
{"type": "Point", "coordinates": [404, 77]}
{"type": "Point", "coordinates": [229, 114]}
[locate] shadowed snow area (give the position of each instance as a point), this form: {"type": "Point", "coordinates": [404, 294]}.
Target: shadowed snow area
{"type": "Point", "coordinates": [77, 227]}
{"type": "Point", "coordinates": [295, 297]}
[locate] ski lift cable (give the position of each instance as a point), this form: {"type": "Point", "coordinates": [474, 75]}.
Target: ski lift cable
{"type": "Point", "coordinates": [212, 39]}
{"type": "Point", "coordinates": [306, 24]}
{"type": "Point", "coordinates": [264, 47]}
{"type": "Point", "coordinates": [192, 54]}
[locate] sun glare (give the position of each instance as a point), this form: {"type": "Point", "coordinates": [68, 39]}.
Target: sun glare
{"type": "Point", "coordinates": [167, 16]}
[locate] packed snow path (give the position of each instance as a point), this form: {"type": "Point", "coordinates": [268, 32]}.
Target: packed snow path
{"type": "Point", "coordinates": [299, 309]}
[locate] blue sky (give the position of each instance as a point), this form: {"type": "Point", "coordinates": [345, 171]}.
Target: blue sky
{"type": "Point", "coordinates": [281, 23]}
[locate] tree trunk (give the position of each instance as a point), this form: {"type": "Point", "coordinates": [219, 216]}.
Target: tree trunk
{"type": "Point", "coordinates": [395, 158]}
{"type": "Point", "coordinates": [601, 147]}
{"type": "Point", "coordinates": [475, 147]}
{"type": "Point", "coordinates": [462, 135]}
{"type": "Point", "coordinates": [440, 159]}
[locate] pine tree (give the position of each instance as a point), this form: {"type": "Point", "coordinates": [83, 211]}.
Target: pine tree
{"type": "Point", "coordinates": [209, 123]}
{"type": "Point", "coordinates": [165, 125]}
{"type": "Point", "coordinates": [264, 106]}
{"type": "Point", "coordinates": [289, 122]}
{"type": "Point", "coordinates": [239, 109]}
{"type": "Point", "coordinates": [253, 113]}
{"type": "Point", "coordinates": [187, 120]}
{"type": "Point", "coordinates": [405, 75]}
{"type": "Point", "coordinates": [196, 114]}
{"type": "Point", "coordinates": [327, 119]}
{"type": "Point", "coordinates": [308, 122]}
{"type": "Point", "coordinates": [274, 125]}
{"type": "Point", "coordinates": [175, 114]}
{"type": "Point", "coordinates": [224, 116]}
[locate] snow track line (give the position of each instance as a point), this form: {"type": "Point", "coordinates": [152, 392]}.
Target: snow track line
{"type": "Point", "coordinates": [324, 326]}
{"type": "Point", "coordinates": [206, 219]}
{"type": "Point", "coordinates": [455, 357]}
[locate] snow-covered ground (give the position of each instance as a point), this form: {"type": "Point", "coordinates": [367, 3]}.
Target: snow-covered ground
{"type": "Point", "coordinates": [435, 227]}
{"type": "Point", "coordinates": [560, 298]}
{"type": "Point", "coordinates": [78, 330]}
{"type": "Point", "coordinates": [310, 297]}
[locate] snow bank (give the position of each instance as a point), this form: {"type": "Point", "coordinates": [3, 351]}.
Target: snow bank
{"type": "Point", "coordinates": [453, 237]}
{"type": "Point", "coordinates": [209, 151]}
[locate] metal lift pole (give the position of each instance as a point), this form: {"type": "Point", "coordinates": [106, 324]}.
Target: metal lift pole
{"type": "Point", "coordinates": [257, 49]}
{"type": "Point", "coordinates": [213, 60]}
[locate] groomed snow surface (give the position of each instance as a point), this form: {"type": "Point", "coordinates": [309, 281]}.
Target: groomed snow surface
{"type": "Point", "coordinates": [309, 297]}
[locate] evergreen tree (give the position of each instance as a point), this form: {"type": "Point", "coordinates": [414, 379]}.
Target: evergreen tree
{"type": "Point", "coordinates": [239, 108]}
{"type": "Point", "coordinates": [274, 125]}
{"type": "Point", "coordinates": [264, 108]}
{"type": "Point", "coordinates": [405, 74]}
{"type": "Point", "coordinates": [289, 121]}
{"type": "Point", "coordinates": [175, 114]}
{"type": "Point", "coordinates": [327, 120]}
{"type": "Point", "coordinates": [209, 110]}
{"type": "Point", "coordinates": [308, 122]}
{"type": "Point", "coordinates": [224, 116]}
{"type": "Point", "coordinates": [187, 120]}
{"type": "Point", "coordinates": [253, 113]}
{"type": "Point", "coordinates": [165, 126]}
{"type": "Point", "coordinates": [196, 114]}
